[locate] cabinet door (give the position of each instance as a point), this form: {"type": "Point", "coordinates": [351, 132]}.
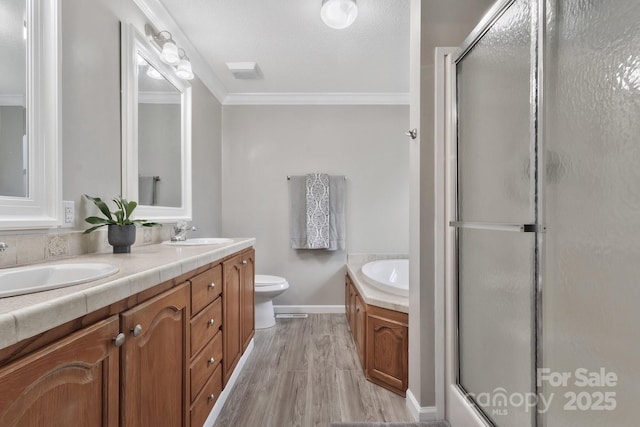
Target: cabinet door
{"type": "Point", "coordinates": [248, 298]}
{"type": "Point", "coordinates": [71, 382]}
{"type": "Point", "coordinates": [231, 305]}
{"type": "Point", "coordinates": [360, 336]}
{"type": "Point", "coordinates": [387, 353]}
{"type": "Point", "coordinates": [155, 381]}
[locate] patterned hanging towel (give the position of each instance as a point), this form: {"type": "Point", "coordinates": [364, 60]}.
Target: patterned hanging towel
{"type": "Point", "coordinates": [317, 210]}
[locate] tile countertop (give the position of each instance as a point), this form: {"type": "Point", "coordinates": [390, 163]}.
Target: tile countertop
{"type": "Point", "coordinates": [371, 295]}
{"type": "Point", "coordinates": [25, 316]}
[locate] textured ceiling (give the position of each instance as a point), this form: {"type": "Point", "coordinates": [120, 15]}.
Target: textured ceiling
{"type": "Point", "coordinates": [295, 51]}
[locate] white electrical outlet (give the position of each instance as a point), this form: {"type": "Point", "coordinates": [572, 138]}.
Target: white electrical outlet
{"type": "Point", "coordinates": [69, 213]}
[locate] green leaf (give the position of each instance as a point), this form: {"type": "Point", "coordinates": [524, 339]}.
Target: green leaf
{"type": "Point", "coordinates": [129, 208]}
{"type": "Point", "coordinates": [98, 220]}
{"type": "Point", "coordinates": [89, 230]}
{"type": "Point", "coordinates": [101, 205]}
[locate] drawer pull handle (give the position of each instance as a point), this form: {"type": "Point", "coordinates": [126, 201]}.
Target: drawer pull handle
{"type": "Point", "coordinates": [119, 340]}
{"type": "Point", "coordinates": [211, 322]}
{"type": "Point", "coordinates": [211, 397]}
{"type": "Point", "coordinates": [212, 285]}
{"type": "Point", "coordinates": [212, 361]}
{"type": "Point", "coordinates": [244, 262]}
{"type": "Point", "coordinates": [137, 330]}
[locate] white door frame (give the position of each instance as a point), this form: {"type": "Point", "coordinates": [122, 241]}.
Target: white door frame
{"type": "Point", "coordinates": [451, 403]}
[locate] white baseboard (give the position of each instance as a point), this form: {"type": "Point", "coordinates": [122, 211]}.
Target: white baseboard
{"type": "Point", "coordinates": [217, 408]}
{"type": "Point", "coordinates": [420, 413]}
{"type": "Point", "coordinates": [312, 309]}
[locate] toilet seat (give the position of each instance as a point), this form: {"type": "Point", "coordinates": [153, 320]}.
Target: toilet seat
{"type": "Point", "coordinates": [266, 280]}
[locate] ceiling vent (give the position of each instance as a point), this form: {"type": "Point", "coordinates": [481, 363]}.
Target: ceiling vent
{"type": "Point", "coordinates": [244, 70]}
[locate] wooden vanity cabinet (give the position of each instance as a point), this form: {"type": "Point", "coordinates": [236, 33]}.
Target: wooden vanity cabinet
{"type": "Point", "coordinates": [206, 343]}
{"type": "Point", "coordinates": [381, 338]}
{"type": "Point", "coordinates": [248, 310]}
{"type": "Point", "coordinates": [82, 368]}
{"type": "Point", "coordinates": [167, 368]}
{"type": "Point", "coordinates": [155, 358]}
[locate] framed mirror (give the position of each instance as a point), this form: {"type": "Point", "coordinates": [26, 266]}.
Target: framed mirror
{"type": "Point", "coordinates": [29, 122]}
{"type": "Point", "coordinates": [156, 132]}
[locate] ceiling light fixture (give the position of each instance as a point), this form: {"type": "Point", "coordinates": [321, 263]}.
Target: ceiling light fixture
{"type": "Point", "coordinates": [339, 14]}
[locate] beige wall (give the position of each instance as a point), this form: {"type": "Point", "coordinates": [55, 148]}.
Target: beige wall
{"type": "Point", "coordinates": [264, 144]}
{"type": "Point", "coordinates": [91, 111]}
{"type": "Point", "coordinates": [441, 24]}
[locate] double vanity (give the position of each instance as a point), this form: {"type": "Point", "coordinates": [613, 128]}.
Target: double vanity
{"type": "Point", "coordinates": [153, 344]}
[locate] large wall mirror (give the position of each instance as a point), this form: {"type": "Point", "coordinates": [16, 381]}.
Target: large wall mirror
{"type": "Point", "coordinates": [156, 138]}
{"type": "Point", "coordinates": [29, 120]}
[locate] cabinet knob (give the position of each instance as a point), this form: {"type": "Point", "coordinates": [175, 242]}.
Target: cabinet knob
{"type": "Point", "coordinates": [244, 262]}
{"type": "Point", "coordinates": [119, 340]}
{"type": "Point", "coordinates": [211, 322]}
{"type": "Point", "coordinates": [212, 285]}
{"type": "Point", "coordinates": [211, 397]}
{"type": "Point", "coordinates": [137, 330]}
{"type": "Point", "coordinates": [212, 361]}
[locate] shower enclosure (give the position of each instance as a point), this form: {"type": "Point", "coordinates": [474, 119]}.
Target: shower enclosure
{"type": "Point", "coordinates": [545, 107]}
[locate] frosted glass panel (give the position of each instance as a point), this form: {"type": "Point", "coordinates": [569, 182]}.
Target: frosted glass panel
{"type": "Point", "coordinates": [494, 131]}
{"type": "Point", "coordinates": [591, 271]}
{"type": "Point", "coordinates": [495, 313]}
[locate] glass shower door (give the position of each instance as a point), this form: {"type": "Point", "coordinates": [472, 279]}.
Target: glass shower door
{"type": "Point", "coordinates": [496, 217]}
{"type": "Point", "coordinates": [591, 274]}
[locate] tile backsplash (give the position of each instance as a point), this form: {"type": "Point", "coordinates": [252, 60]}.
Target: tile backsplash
{"type": "Point", "coordinates": [57, 244]}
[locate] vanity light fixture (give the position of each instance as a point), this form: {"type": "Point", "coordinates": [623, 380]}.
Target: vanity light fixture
{"type": "Point", "coordinates": [170, 54]}
{"type": "Point", "coordinates": [169, 49]}
{"type": "Point", "coordinates": [339, 14]}
{"type": "Point", "coordinates": [153, 73]}
{"type": "Point", "coordinates": [183, 69]}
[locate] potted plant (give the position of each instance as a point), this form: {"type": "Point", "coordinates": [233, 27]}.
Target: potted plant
{"type": "Point", "coordinates": [121, 228]}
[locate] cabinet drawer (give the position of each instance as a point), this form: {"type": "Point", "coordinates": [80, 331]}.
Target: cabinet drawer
{"type": "Point", "coordinates": [205, 288]}
{"type": "Point", "coordinates": [202, 367]}
{"type": "Point", "coordinates": [205, 325]}
{"type": "Point", "coordinates": [206, 399]}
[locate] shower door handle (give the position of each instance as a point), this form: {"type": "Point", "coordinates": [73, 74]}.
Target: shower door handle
{"type": "Point", "coordinates": [521, 228]}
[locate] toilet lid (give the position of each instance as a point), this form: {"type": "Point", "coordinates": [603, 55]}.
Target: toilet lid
{"type": "Point", "coordinates": [265, 280]}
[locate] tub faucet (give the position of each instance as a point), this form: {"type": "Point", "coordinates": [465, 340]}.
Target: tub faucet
{"type": "Point", "coordinates": [180, 231]}
{"type": "Point", "coordinates": [3, 246]}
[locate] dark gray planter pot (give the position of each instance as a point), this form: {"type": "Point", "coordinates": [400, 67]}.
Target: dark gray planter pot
{"type": "Point", "coordinates": [121, 237]}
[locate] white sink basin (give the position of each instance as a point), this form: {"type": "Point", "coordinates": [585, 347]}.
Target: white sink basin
{"type": "Point", "coordinates": [25, 280]}
{"type": "Point", "coordinates": [200, 241]}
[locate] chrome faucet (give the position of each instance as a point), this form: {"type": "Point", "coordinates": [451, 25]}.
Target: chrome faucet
{"type": "Point", "coordinates": [3, 246]}
{"type": "Point", "coordinates": [180, 231]}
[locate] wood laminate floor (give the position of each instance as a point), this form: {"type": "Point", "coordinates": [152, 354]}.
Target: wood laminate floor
{"type": "Point", "coordinates": [306, 372]}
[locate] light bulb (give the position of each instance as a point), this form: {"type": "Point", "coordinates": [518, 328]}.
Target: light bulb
{"type": "Point", "coordinates": [183, 69]}
{"type": "Point", "coordinates": [154, 74]}
{"type": "Point", "coordinates": [170, 52]}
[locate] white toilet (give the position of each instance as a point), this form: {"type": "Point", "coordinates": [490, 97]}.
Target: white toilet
{"type": "Point", "coordinates": [267, 288]}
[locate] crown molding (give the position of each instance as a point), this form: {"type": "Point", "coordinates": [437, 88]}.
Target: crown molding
{"type": "Point", "coordinates": [155, 11]}
{"type": "Point", "coordinates": [339, 98]}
